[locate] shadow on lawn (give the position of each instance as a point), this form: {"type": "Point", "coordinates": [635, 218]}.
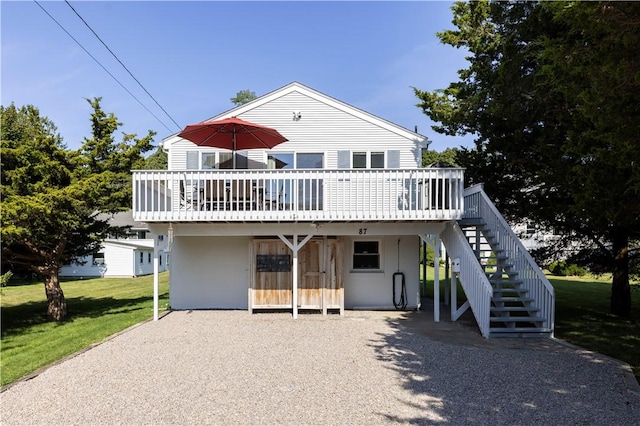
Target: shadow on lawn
{"type": "Point", "coordinates": [16, 319]}
{"type": "Point", "coordinates": [496, 381]}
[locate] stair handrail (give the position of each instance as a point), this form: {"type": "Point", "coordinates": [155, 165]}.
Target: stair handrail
{"type": "Point", "coordinates": [478, 205]}
{"type": "Point", "coordinates": [473, 279]}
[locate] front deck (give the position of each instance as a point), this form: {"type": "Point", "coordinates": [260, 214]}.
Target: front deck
{"type": "Point", "coordinates": [298, 195]}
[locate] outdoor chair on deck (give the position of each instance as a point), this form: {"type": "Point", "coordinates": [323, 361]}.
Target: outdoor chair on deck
{"type": "Point", "coordinates": [187, 195]}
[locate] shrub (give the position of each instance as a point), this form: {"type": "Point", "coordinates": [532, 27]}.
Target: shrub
{"type": "Point", "coordinates": [564, 269]}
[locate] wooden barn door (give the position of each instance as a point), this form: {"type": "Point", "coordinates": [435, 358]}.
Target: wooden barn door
{"type": "Point", "coordinates": [272, 282]}
{"type": "Point", "coordinates": [320, 282]}
{"type": "Point", "coordinates": [311, 275]}
{"type": "Point", "coordinates": [334, 284]}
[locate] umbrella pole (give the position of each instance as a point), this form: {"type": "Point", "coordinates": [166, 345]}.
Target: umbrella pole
{"type": "Point", "coordinates": [233, 151]}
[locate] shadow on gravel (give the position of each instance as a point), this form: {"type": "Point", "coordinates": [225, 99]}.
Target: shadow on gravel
{"type": "Point", "coordinates": [455, 376]}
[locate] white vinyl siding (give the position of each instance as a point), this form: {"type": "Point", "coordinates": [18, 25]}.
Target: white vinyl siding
{"type": "Point", "coordinates": [323, 127]}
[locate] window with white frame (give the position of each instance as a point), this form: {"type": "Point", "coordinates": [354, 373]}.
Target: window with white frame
{"type": "Point", "coordinates": [359, 160]}
{"type": "Point", "coordinates": [208, 160]}
{"type": "Point", "coordinates": [377, 160]}
{"type": "Point", "coordinates": [98, 258]}
{"type": "Point", "coordinates": [367, 160]}
{"type": "Point", "coordinates": [149, 257]}
{"type": "Point", "coordinates": [141, 257]}
{"type": "Point", "coordinates": [366, 255]}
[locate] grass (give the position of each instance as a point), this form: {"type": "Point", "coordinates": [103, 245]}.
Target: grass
{"type": "Point", "coordinates": [583, 318]}
{"type": "Point", "coordinates": [97, 308]}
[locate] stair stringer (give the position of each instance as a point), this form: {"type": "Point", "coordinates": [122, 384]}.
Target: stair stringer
{"type": "Point", "coordinates": [472, 277]}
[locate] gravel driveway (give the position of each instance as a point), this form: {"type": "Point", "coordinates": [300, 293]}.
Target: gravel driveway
{"type": "Point", "coordinates": [231, 367]}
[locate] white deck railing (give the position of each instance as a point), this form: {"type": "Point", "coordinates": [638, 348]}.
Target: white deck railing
{"type": "Point", "coordinates": [298, 195]}
{"type": "Point", "coordinates": [478, 205]}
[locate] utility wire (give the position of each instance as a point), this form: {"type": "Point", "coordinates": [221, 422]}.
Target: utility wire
{"type": "Point", "coordinates": [123, 66]}
{"type": "Point", "coordinates": [101, 66]}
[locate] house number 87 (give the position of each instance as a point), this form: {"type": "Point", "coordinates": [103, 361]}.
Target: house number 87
{"type": "Point", "coordinates": [362, 231]}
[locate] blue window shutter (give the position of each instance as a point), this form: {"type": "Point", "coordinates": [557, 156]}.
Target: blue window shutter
{"type": "Point", "coordinates": [344, 159]}
{"type": "Point", "coordinates": [393, 159]}
{"type": "Point", "coordinates": [192, 160]}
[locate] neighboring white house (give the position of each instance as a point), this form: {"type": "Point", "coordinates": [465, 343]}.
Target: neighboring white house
{"type": "Point", "coordinates": [128, 256]}
{"type": "Point", "coordinates": [332, 219]}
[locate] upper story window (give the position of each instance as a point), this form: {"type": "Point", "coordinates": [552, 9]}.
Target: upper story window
{"type": "Point", "coordinates": [300, 160]}
{"type": "Point", "coordinates": [369, 159]}
{"type": "Point", "coordinates": [197, 160]}
{"type": "Point", "coordinates": [377, 160]}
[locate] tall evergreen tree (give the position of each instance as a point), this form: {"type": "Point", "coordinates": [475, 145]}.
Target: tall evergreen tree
{"type": "Point", "coordinates": [51, 196]}
{"type": "Point", "coordinates": [552, 93]}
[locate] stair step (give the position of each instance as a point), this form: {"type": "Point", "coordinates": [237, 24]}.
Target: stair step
{"type": "Point", "coordinates": [510, 290]}
{"type": "Point", "coordinates": [498, 309]}
{"type": "Point", "coordinates": [510, 274]}
{"type": "Point", "coordinates": [505, 281]}
{"type": "Point", "coordinates": [512, 299]}
{"type": "Point", "coordinates": [471, 221]}
{"type": "Point", "coordinates": [516, 319]}
{"type": "Point", "coordinates": [520, 332]}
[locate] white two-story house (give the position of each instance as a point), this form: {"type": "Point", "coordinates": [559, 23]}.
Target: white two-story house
{"type": "Point", "coordinates": [331, 219]}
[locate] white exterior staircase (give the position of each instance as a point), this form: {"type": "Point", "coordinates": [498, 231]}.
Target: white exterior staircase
{"type": "Point", "coordinates": [512, 298]}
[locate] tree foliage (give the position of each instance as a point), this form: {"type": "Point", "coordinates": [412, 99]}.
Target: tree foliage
{"type": "Point", "coordinates": [446, 158]}
{"type": "Point", "coordinates": [552, 95]}
{"type": "Point", "coordinates": [159, 160]}
{"type": "Point", "coordinates": [243, 96]}
{"type": "Point", "coordinates": [51, 196]}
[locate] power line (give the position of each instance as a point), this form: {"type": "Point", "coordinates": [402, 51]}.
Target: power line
{"type": "Point", "coordinates": [101, 66]}
{"type": "Point", "coordinates": [123, 66]}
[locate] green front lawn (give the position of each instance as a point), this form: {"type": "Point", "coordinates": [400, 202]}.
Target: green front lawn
{"type": "Point", "coordinates": [97, 308]}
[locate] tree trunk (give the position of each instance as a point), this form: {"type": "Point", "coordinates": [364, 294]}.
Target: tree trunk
{"type": "Point", "coordinates": [57, 308]}
{"type": "Point", "coordinates": [620, 288]}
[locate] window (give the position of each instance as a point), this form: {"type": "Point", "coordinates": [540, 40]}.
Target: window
{"type": "Point", "coordinates": [310, 191]}
{"type": "Point", "coordinates": [280, 161]}
{"type": "Point", "coordinates": [160, 260]}
{"type": "Point", "coordinates": [366, 255]}
{"type": "Point", "coordinates": [208, 160]}
{"type": "Point", "coordinates": [377, 160]}
{"type": "Point", "coordinates": [98, 258]}
{"type": "Point", "coordinates": [226, 160]}
{"type": "Point", "coordinates": [141, 257]}
{"type": "Point", "coordinates": [363, 160]}
{"type": "Point", "coordinates": [305, 160]}
{"type": "Point", "coordinates": [148, 257]}
{"type": "Point", "coordinates": [359, 160]}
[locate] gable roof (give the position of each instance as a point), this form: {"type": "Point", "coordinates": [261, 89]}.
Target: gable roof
{"type": "Point", "coordinates": [320, 97]}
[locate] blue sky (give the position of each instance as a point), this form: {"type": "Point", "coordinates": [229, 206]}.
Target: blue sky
{"type": "Point", "coordinates": [194, 56]}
